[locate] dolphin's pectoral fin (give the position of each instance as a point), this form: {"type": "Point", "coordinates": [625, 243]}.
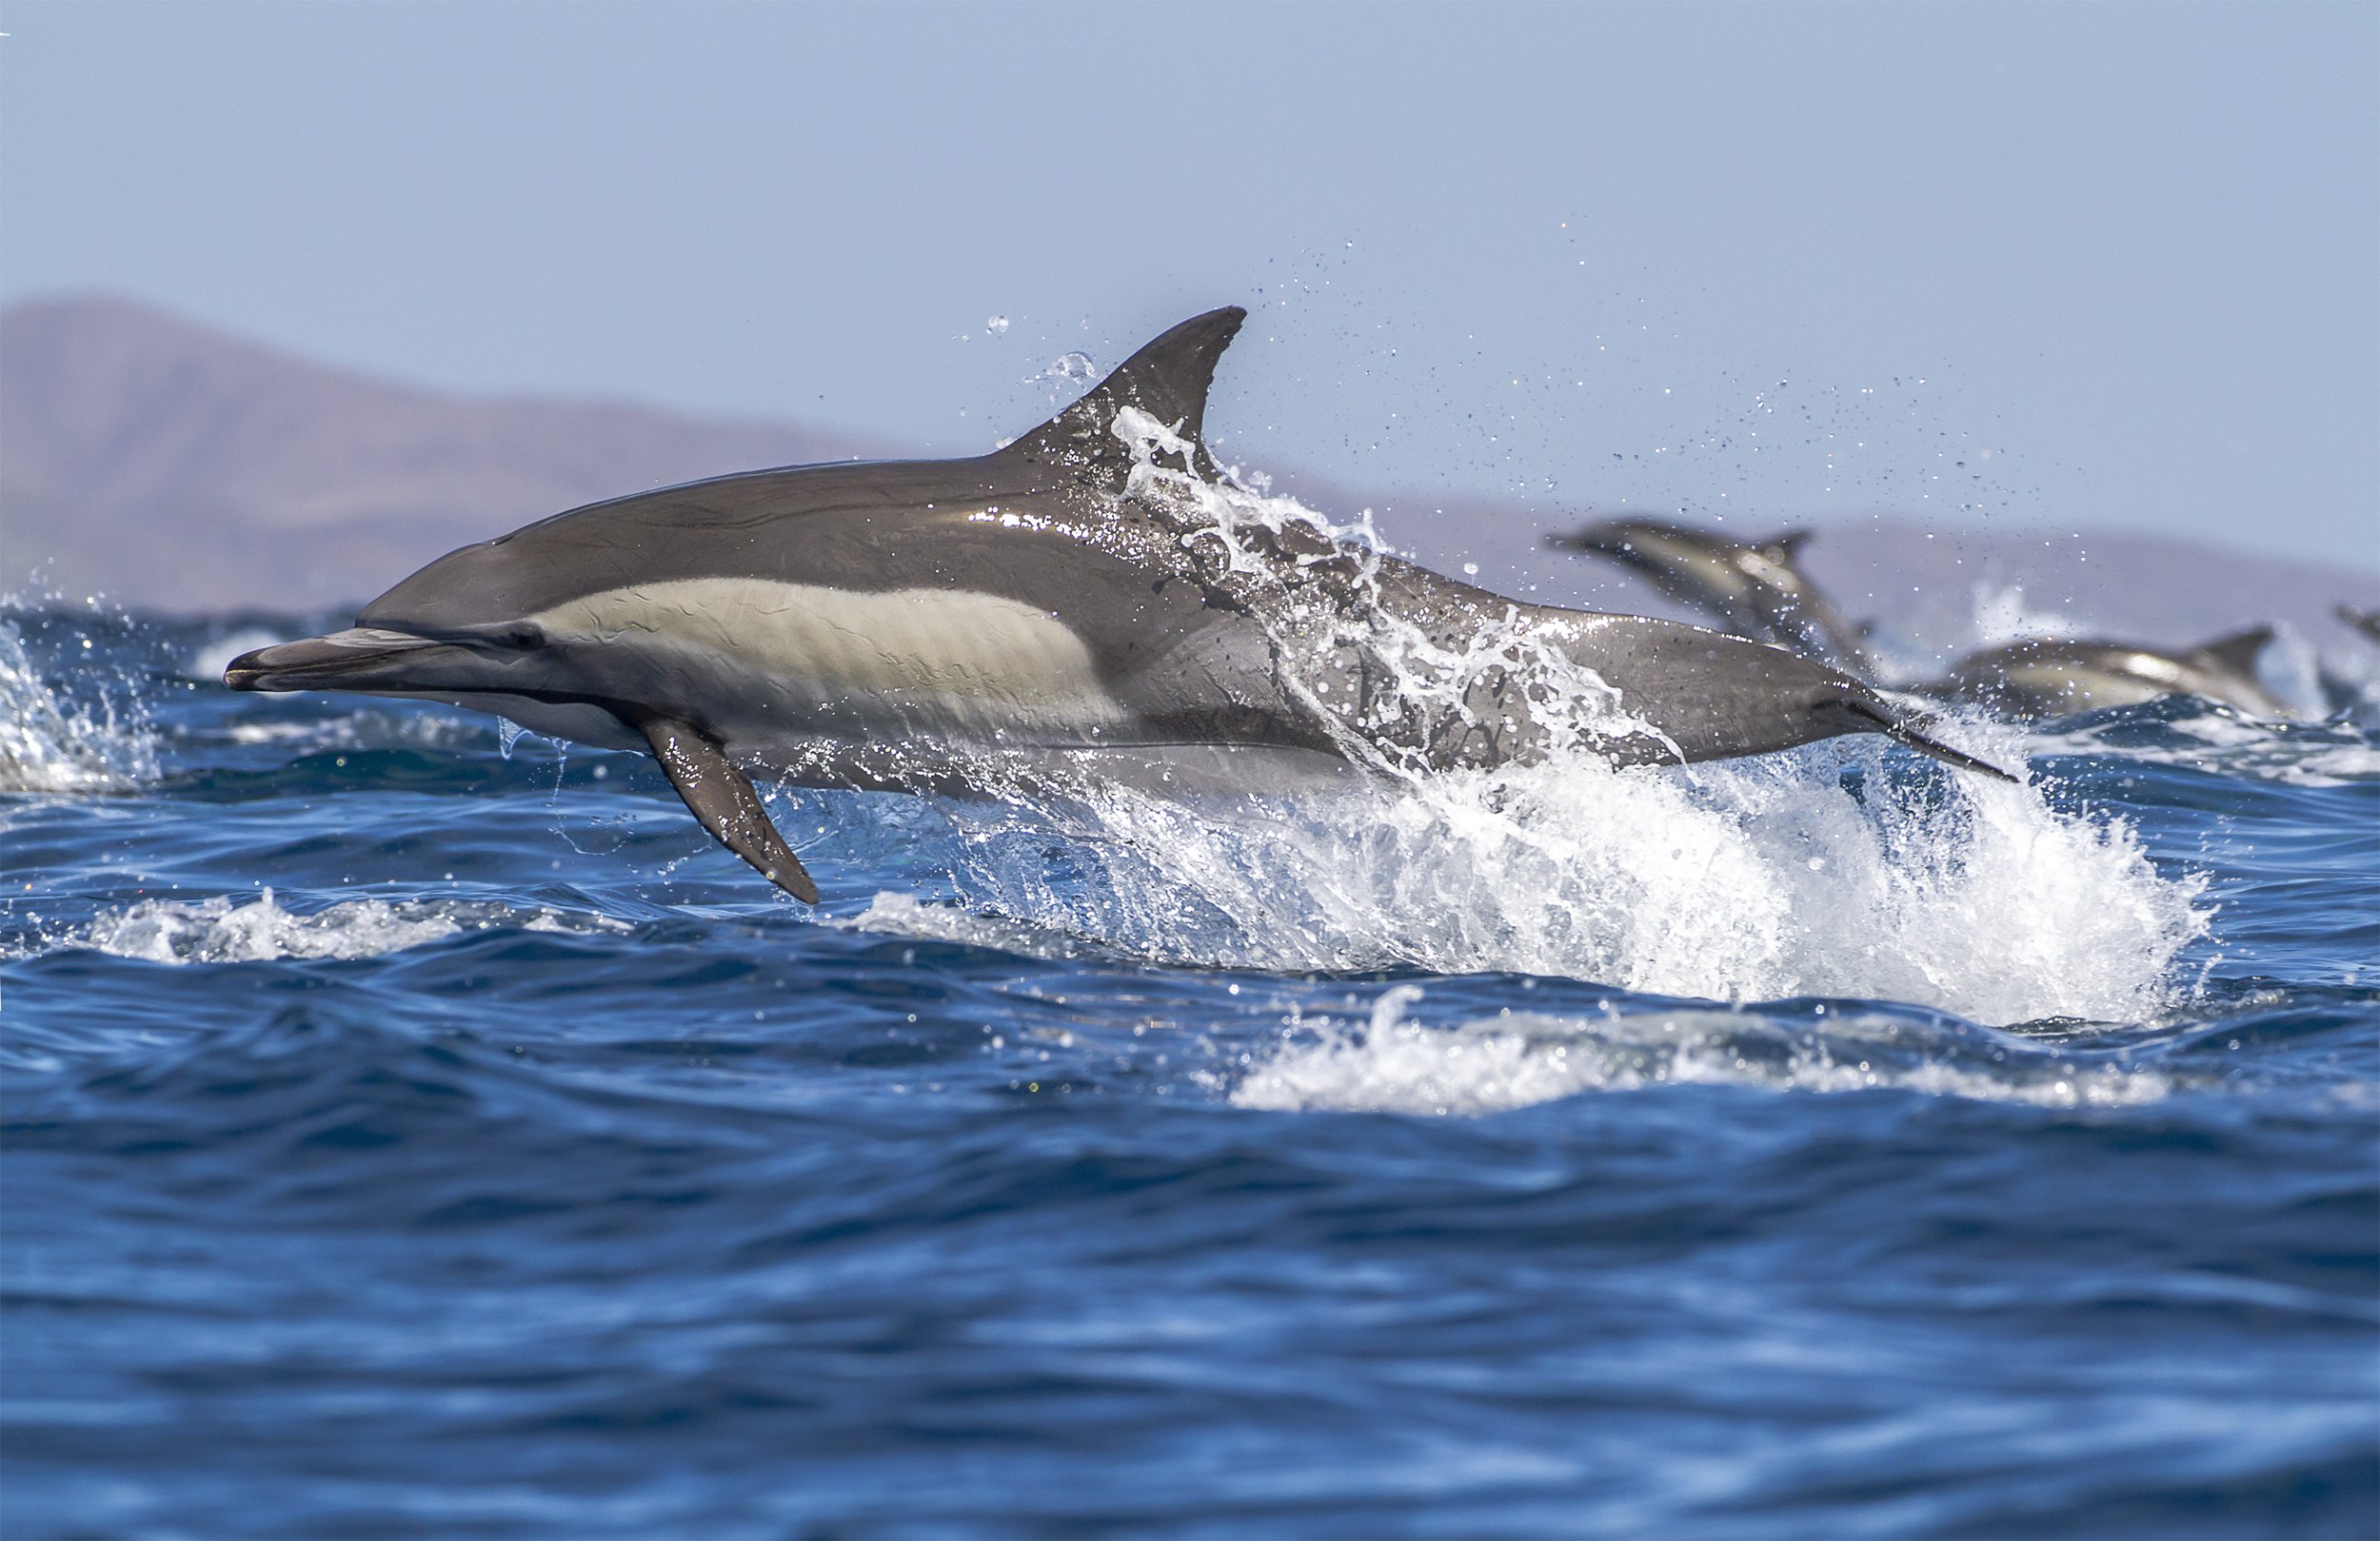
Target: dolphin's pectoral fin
{"type": "Point", "coordinates": [1901, 731]}
{"type": "Point", "coordinates": [721, 796]}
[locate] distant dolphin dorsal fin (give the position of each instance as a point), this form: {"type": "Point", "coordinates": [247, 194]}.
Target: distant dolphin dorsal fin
{"type": "Point", "coordinates": [2238, 650]}
{"type": "Point", "coordinates": [1168, 379]}
{"type": "Point", "coordinates": [722, 799]}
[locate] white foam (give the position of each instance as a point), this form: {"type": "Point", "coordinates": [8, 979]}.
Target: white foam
{"type": "Point", "coordinates": [1488, 1066]}
{"type": "Point", "coordinates": [905, 915]}
{"type": "Point", "coordinates": [2334, 766]}
{"type": "Point", "coordinates": [218, 931]}
{"type": "Point", "coordinates": [1737, 882]}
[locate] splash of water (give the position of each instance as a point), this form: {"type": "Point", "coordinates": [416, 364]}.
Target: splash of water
{"type": "Point", "coordinates": [1737, 882]}
{"type": "Point", "coordinates": [1485, 679]}
{"type": "Point", "coordinates": [1069, 374]}
{"type": "Point", "coordinates": [52, 743]}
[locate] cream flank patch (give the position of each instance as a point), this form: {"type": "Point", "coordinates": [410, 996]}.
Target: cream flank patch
{"type": "Point", "coordinates": [971, 657]}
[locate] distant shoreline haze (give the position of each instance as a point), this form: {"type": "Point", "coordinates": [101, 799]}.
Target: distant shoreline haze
{"type": "Point", "coordinates": [182, 469]}
{"type": "Point", "coordinates": [172, 467]}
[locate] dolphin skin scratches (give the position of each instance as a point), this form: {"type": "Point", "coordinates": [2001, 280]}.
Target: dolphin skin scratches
{"type": "Point", "coordinates": [1095, 599]}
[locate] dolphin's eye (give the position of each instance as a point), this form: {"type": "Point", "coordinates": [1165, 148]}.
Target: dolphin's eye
{"type": "Point", "coordinates": [526, 634]}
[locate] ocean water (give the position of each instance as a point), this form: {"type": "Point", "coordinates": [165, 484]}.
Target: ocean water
{"type": "Point", "coordinates": [412, 1127]}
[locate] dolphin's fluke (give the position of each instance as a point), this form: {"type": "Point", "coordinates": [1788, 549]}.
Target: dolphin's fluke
{"type": "Point", "coordinates": [722, 799]}
{"type": "Point", "coordinates": [1901, 731]}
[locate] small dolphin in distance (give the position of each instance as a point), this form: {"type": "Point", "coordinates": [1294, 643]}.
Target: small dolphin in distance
{"type": "Point", "coordinates": [1093, 599]}
{"type": "Point", "coordinates": [2053, 676]}
{"type": "Point", "coordinates": [1754, 589]}
{"type": "Point", "coordinates": [1758, 590]}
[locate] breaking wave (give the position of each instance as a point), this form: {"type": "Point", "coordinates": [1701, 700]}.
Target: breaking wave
{"type": "Point", "coordinates": [1395, 1065]}
{"type": "Point", "coordinates": [218, 930]}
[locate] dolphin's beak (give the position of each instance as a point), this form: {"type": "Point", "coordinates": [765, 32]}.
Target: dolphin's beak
{"type": "Point", "coordinates": [343, 660]}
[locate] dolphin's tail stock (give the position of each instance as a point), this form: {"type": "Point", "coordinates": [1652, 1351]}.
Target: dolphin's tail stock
{"type": "Point", "coordinates": [1904, 731]}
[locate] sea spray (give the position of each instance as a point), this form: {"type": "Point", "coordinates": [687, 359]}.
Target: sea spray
{"type": "Point", "coordinates": [94, 738]}
{"type": "Point", "coordinates": [1731, 882]}
{"type": "Point", "coordinates": [1484, 682]}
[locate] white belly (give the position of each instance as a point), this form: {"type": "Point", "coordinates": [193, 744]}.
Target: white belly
{"type": "Point", "coordinates": [769, 659]}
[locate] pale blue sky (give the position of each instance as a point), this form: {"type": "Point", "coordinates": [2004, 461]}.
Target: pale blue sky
{"type": "Point", "coordinates": [2120, 260]}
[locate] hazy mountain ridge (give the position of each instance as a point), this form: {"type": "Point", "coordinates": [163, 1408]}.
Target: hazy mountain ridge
{"type": "Point", "coordinates": [178, 468]}
{"type": "Point", "coordinates": [175, 468]}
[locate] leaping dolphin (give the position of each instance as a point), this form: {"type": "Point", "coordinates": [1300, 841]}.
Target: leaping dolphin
{"type": "Point", "coordinates": [1754, 588]}
{"type": "Point", "coordinates": [1097, 592]}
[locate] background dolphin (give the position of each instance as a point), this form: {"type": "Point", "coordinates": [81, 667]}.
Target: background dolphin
{"type": "Point", "coordinates": [1093, 593]}
{"type": "Point", "coordinates": [1758, 590]}
{"type": "Point", "coordinates": [2051, 676]}
{"type": "Point", "coordinates": [1754, 589]}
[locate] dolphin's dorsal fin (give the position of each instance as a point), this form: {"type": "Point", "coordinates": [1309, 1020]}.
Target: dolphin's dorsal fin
{"type": "Point", "coordinates": [1167, 379]}
{"type": "Point", "coordinates": [1786, 547]}
{"type": "Point", "coordinates": [2238, 650]}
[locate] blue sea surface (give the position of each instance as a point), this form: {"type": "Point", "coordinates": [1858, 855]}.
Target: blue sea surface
{"type": "Point", "coordinates": [414, 1130]}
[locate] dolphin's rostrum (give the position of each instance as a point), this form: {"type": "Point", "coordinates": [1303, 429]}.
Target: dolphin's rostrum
{"type": "Point", "coordinates": [1092, 599]}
